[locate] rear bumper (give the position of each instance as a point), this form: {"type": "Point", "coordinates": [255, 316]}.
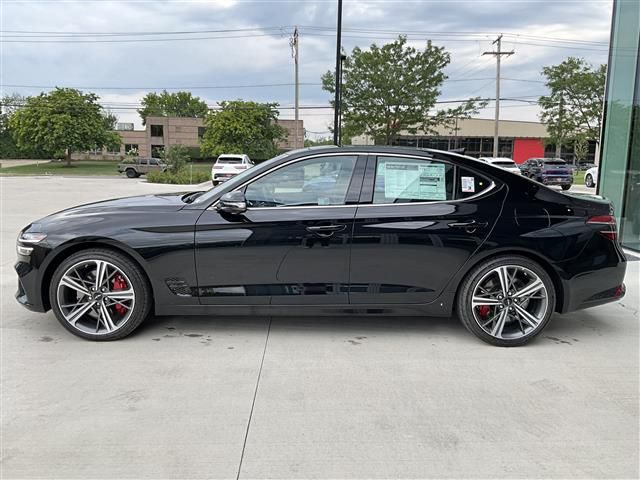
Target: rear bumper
{"type": "Point", "coordinates": [594, 288]}
{"type": "Point", "coordinates": [551, 180]}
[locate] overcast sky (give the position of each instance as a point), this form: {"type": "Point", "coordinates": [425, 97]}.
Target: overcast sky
{"type": "Point", "coordinates": [78, 48]}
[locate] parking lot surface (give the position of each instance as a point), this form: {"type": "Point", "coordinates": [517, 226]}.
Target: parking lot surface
{"type": "Point", "coordinates": [212, 397]}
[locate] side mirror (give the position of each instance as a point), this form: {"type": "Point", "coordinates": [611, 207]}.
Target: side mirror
{"type": "Point", "coordinates": [232, 202]}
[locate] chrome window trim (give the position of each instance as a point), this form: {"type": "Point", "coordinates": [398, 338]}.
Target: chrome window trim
{"type": "Point", "coordinates": [491, 186]}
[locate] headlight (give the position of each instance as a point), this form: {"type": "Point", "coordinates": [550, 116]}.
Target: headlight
{"type": "Point", "coordinates": [28, 238]}
{"type": "Point", "coordinates": [32, 237]}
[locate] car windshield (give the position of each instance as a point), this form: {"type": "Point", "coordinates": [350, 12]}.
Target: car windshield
{"type": "Point", "coordinates": [230, 160]}
{"type": "Point", "coordinates": [238, 179]}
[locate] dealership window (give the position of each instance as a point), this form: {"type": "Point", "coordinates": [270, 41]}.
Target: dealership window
{"type": "Point", "coordinates": [157, 131]}
{"type": "Point", "coordinates": [131, 149]}
{"type": "Point", "coordinates": [157, 150]}
{"type": "Point", "coordinates": [313, 182]}
{"type": "Point", "coordinates": [619, 169]}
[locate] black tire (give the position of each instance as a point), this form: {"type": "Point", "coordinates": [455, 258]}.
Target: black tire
{"type": "Point", "coordinates": [215, 184]}
{"type": "Point", "coordinates": [566, 187]}
{"type": "Point", "coordinates": [588, 181]}
{"type": "Point", "coordinates": [131, 173]}
{"type": "Point", "coordinates": [139, 283]}
{"type": "Point", "coordinates": [464, 308]}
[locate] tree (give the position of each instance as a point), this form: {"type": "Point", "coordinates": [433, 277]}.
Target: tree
{"type": "Point", "coordinates": [63, 121]}
{"type": "Point", "coordinates": [9, 148]}
{"type": "Point", "coordinates": [573, 108]}
{"type": "Point", "coordinates": [178, 104]}
{"type": "Point", "coordinates": [243, 127]}
{"type": "Point", "coordinates": [176, 157]}
{"type": "Point", "coordinates": [393, 88]}
{"type": "Point", "coordinates": [318, 142]}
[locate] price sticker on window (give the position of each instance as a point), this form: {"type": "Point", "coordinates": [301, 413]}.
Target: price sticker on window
{"type": "Point", "coordinates": [468, 184]}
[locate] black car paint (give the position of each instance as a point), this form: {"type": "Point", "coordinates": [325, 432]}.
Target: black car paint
{"type": "Point", "coordinates": [404, 259]}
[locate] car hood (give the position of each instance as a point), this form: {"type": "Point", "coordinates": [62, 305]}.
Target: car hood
{"type": "Point", "coordinates": [144, 204]}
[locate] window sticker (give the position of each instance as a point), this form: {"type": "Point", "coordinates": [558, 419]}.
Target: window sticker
{"type": "Point", "coordinates": [468, 184]}
{"type": "Point", "coordinates": [416, 181]}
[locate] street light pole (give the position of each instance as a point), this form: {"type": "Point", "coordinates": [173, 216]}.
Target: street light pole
{"type": "Point", "coordinates": [336, 110]}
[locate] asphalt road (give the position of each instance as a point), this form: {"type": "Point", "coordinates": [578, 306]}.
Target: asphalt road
{"type": "Point", "coordinates": [207, 397]}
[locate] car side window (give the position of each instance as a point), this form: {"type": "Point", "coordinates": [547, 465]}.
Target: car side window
{"type": "Point", "coordinates": [142, 161]}
{"type": "Point", "coordinates": [469, 183]}
{"type": "Point", "coordinates": [313, 182]}
{"type": "Point", "coordinates": [407, 180]}
{"type": "Point", "coordinates": [153, 161]}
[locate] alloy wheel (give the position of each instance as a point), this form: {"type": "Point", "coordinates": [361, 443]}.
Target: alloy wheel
{"type": "Point", "coordinates": [510, 302]}
{"type": "Point", "coordinates": [95, 297]}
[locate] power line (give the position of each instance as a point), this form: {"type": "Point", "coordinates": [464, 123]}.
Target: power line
{"type": "Point", "coordinates": [201, 87]}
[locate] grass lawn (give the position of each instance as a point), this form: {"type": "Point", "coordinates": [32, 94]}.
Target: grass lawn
{"type": "Point", "coordinates": [578, 178]}
{"type": "Point", "coordinates": [60, 168]}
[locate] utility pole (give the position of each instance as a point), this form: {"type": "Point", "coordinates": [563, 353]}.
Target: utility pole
{"type": "Point", "coordinates": [294, 42]}
{"type": "Point", "coordinates": [498, 53]}
{"type": "Point", "coordinates": [336, 110]}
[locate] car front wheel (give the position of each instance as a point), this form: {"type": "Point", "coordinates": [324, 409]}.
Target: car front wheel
{"type": "Point", "coordinates": [99, 294]}
{"type": "Point", "coordinates": [506, 301]}
{"type": "Point", "coordinates": [131, 173]}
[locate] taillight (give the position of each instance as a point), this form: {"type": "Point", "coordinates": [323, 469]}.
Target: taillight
{"type": "Point", "coordinates": [218, 167]}
{"type": "Point", "coordinates": [608, 221]}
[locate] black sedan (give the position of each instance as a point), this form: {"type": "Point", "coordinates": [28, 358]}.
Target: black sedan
{"type": "Point", "coordinates": [359, 230]}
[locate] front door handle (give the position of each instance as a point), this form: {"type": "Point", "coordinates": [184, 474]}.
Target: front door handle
{"type": "Point", "coordinates": [326, 230]}
{"type": "Point", "coordinates": [470, 226]}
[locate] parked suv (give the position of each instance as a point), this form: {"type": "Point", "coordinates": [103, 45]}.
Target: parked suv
{"type": "Point", "coordinates": [228, 166]}
{"type": "Point", "coordinates": [142, 166]}
{"type": "Point", "coordinates": [550, 171]}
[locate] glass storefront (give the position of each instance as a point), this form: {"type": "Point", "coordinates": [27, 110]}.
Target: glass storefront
{"type": "Point", "coordinates": [620, 155]}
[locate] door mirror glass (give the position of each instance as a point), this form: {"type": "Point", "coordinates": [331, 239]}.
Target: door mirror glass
{"type": "Point", "coordinates": [232, 202]}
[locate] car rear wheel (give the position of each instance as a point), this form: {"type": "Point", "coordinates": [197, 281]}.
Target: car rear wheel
{"type": "Point", "coordinates": [588, 181]}
{"type": "Point", "coordinates": [131, 173]}
{"type": "Point", "coordinates": [506, 301]}
{"type": "Point", "coordinates": [566, 187]}
{"type": "Point", "coordinates": [99, 294]}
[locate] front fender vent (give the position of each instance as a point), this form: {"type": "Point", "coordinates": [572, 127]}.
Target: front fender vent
{"type": "Point", "coordinates": [180, 287]}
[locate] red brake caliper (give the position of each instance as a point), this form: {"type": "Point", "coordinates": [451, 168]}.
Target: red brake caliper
{"type": "Point", "coordinates": [119, 283]}
{"type": "Point", "coordinates": [484, 310]}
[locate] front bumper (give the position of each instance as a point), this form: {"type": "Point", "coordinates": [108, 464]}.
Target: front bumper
{"type": "Point", "coordinates": [28, 294]}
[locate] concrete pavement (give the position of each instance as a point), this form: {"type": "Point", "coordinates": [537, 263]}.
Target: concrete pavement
{"type": "Point", "coordinates": [200, 397]}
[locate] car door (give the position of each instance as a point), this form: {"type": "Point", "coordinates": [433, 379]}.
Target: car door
{"type": "Point", "coordinates": [292, 244]}
{"type": "Point", "coordinates": [419, 221]}
{"type": "Point", "coordinates": [143, 166]}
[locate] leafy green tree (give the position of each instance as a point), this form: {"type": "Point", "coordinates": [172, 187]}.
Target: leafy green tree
{"type": "Point", "coordinates": [243, 127]}
{"type": "Point", "coordinates": [315, 143]}
{"type": "Point", "coordinates": [63, 121]}
{"type": "Point", "coordinates": [393, 88]}
{"type": "Point", "coordinates": [9, 148]}
{"type": "Point", "coordinates": [178, 104]}
{"type": "Point", "coordinates": [573, 108]}
{"type": "Point", "coordinates": [176, 157]}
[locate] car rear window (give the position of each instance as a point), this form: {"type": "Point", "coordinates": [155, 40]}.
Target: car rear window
{"type": "Point", "coordinates": [554, 162]}
{"type": "Point", "coordinates": [230, 160]}
{"type": "Point", "coordinates": [504, 163]}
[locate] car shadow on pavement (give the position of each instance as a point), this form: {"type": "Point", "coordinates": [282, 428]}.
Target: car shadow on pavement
{"type": "Point", "coordinates": [562, 329]}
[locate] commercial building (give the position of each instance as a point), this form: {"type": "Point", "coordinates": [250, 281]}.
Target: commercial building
{"type": "Point", "coordinates": [619, 172]}
{"type": "Point", "coordinates": [162, 132]}
{"type": "Point", "coordinates": [518, 140]}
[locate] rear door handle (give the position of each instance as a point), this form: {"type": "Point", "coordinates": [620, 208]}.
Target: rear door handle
{"type": "Point", "coordinates": [470, 226]}
{"type": "Point", "coordinates": [326, 230]}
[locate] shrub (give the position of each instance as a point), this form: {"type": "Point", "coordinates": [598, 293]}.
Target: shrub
{"type": "Point", "coordinates": [176, 157]}
{"type": "Point", "coordinates": [184, 177]}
